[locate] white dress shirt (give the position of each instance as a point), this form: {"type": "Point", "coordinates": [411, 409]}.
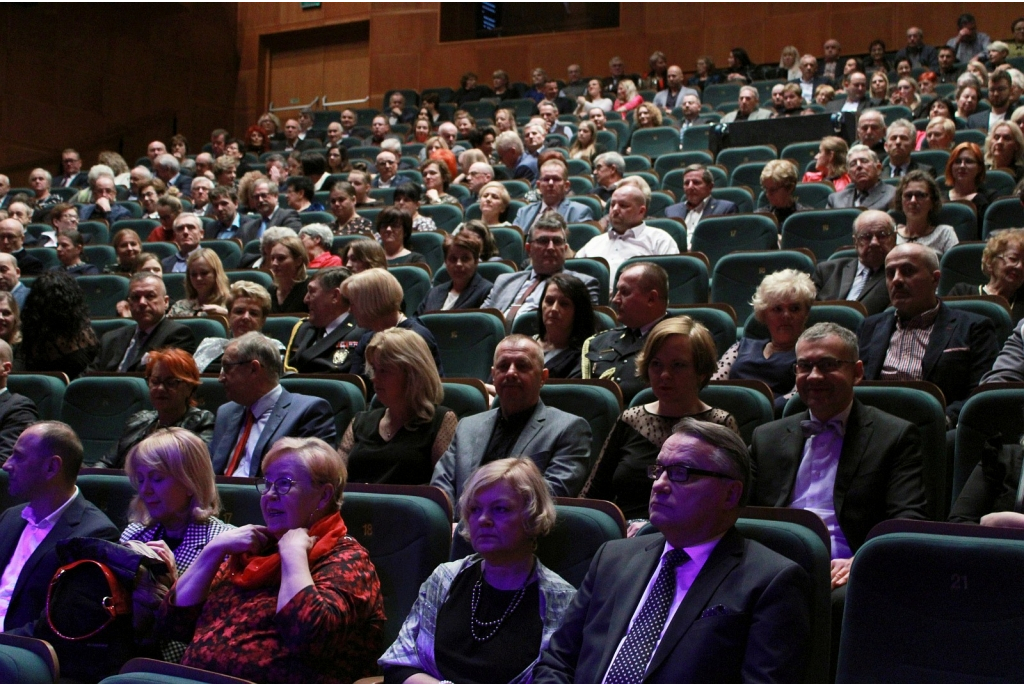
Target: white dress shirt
{"type": "Point", "coordinates": [640, 241]}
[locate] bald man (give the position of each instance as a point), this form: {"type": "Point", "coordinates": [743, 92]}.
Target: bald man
{"type": "Point", "coordinates": [10, 279]}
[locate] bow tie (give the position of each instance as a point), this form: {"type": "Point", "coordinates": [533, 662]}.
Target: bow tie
{"type": "Point", "coordinates": [813, 427]}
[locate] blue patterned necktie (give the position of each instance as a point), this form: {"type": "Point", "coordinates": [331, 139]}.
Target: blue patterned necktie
{"type": "Point", "coordinates": [631, 662]}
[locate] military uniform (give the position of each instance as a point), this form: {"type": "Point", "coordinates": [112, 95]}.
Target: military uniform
{"type": "Point", "coordinates": [612, 355]}
{"type": "Point", "coordinates": [310, 352]}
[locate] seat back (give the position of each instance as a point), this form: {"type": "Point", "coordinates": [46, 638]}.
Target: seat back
{"type": "Point", "coordinates": [687, 276]}
{"type": "Point", "coordinates": [141, 226]}
{"type": "Point", "coordinates": [1000, 183]}
{"type": "Point", "coordinates": [741, 196]}
{"type": "Point", "coordinates": [596, 268]}
{"type": "Point", "coordinates": [962, 264]}
{"type": "Point", "coordinates": [47, 255]}
{"type": "Point", "coordinates": [464, 396]}
{"type": "Point", "coordinates": [578, 533]}
{"type": "Point", "coordinates": [594, 400]}
{"type": "Point", "coordinates": [97, 408]}
{"type": "Point", "coordinates": [581, 234]}
{"type": "Point", "coordinates": [510, 244]}
{"type": "Point", "coordinates": [821, 231]}
{"type": "Point", "coordinates": [696, 138]}
{"type": "Point", "coordinates": [1003, 213]}
{"type": "Point", "coordinates": [430, 244]}
{"type": "Point", "coordinates": [736, 276]}
{"type": "Point", "coordinates": [995, 311]}
{"type": "Point", "coordinates": [992, 413]}
{"type": "Point", "coordinates": [801, 153]}
{"type": "Point", "coordinates": [445, 216]}
{"type": "Point", "coordinates": [962, 218]}
{"type": "Point", "coordinates": [923, 410]}
{"type": "Point", "coordinates": [935, 608]}
{"type": "Point", "coordinates": [142, 670]}
{"type": "Point", "coordinates": [679, 160]}
{"type": "Point", "coordinates": [46, 390]}
{"type": "Point", "coordinates": [654, 142]}
{"type": "Point", "coordinates": [415, 284]}
{"type": "Point", "coordinates": [229, 251]}
{"type": "Point", "coordinates": [748, 403]}
{"type": "Point", "coordinates": [100, 256]}
{"type": "Point", "coordinates": [103, 326]}
{"type": "Point", "coordinates": [800, 544]}
{"type": "Point", "coordinates": [671, 226]}
{"type": "Point", "coordinates": [747, 174]}
{"type": "Point", "coordinates": [206, 327]}
{"type": "Point", "coordinates": [346, 399]}
{"type": "Point", "coordinates": [174, 283]}
{"type": "Point", "coordinates": [110, 491]}
{"type": "Point", "coordinates": [732, 157]}
{"type": "Point", "coordinates": [718, 236]}
{"type": "Point", "coordinates": [720, 93]}
{"type": "Point", "coordinates": [407, 538]}
{"type": "Point", "coordinates": [27, 660]}
{"type": "Point", "coordinates": [466, 340]}
{"type": "Point", "coordinates": [280, 327]}
{"type": "Point", "coordinates": [848, 317]}
{"type": "Point", "coordinates": [103, 292]}
{"type": "Point", "coordinates": [720, 323]}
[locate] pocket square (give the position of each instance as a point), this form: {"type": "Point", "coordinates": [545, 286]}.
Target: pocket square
{"type": "Point", "coordinates": [956, 349]}
{"type": "Point", "coordinates": [717, 610]}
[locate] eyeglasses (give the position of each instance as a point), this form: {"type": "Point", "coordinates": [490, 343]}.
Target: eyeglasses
{"type": "Point", "coordinates": [171, 383]}
{"type": "Point", "coordinates": [915, 195]}
{"type": "Point", "coordinates": [1011, 259]}
{"type": "Point", "coordinates": [802, 367]}
{"type": "Point", "coordinates": [281, 486]}
{"type": "Point", "coordinates": [544, 241]}
{"type": "Point", "coordinates": [866, 238]}
{"type": "Point", "coordinates": [680, 473]}
{"type": "Point", "coordinates": [224, 366]}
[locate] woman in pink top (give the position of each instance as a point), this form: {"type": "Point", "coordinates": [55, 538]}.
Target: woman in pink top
{"type": "Point", "coordinates": [830, 163]}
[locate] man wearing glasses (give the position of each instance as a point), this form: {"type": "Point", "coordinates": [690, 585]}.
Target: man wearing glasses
{"type": "Point", "coordinates": [696, 601]}
{"type": "Point", "coordinates": [861, 278]}
{"type": "Point", "coordinates": [925, 339]}
{"type": "Point", "coordinates": [553, 184]}
{"type": "Point", "coordinates": [866, 190]}
{"type": "Point", "coordinates": [852, 465]}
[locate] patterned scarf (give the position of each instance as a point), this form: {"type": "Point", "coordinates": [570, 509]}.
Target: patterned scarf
{"type": "Point", "coordinates": [250, 571]}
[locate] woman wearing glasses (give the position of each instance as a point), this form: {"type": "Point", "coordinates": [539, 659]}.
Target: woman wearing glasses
{"type": "Point", "coordinates": [917, 196]}
{"type": "Point", "coordinates": [965, 177]}
{"type": "Point", "coordinates": [487, 618]}
{"type": "Point", "coordinates": [677, 361]}
{"type": "Point", "coordinates": [295, 600]}
{"type": "Point", "coordinates": [173, 377]}
{"type": "Point", "coordinates": [174, 512]}
{"type": "Point", "coordinates": [1003, 263]}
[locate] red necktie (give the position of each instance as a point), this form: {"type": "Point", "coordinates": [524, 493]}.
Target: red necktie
{"type": "Point", "coordinates": [236, 456]}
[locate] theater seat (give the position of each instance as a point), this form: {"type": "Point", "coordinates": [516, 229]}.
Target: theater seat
{"type": "Point", "coordinates": [46, 390]}
{"type": "Point", "coordinates": [153, 671]}
{"type": "Point", "coordinates": [466, 340]}
{"type": "Point", "coordinates": [103, 292]}
{"type": "Point", "coordinates": [97, 408]}
{"type": "Point", "coordinates": [27, 660]}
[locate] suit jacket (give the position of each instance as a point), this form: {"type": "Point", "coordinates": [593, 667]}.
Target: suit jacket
{"type": "Point", "coordinates": [837, 105]}
{"type": "Point", "coordinates": [27, 264]}
{"type": "Point", "coordinates": [746, 618]}
{"type": "Point", "coordinates": [80, 520]}
{"type": "Point", "coordinates": [507, 285]}
{"type": "Point", "coordinates": [880, 473]}
{"type": "Point", "coordinates": [558, 442]}
{"type": "Point", "coordinates": [472, 297]}
{"type": "Point", "coordinates": [293, 416]}
{"type": "Point", "coordinates": [330, 354]}
{"type": "Point", "coordinates": [878, 197]}
{"type": "Point", "coordinates": [715, 207]}
{"type": "Point", "coordinates": [961, 349]}
{"type": "Point", "coordinates": [662, 97]}
{"type": "Point", "coordinates": [979, 120]}
{"type": "Point", "coordinates": [572, 212]}
{"type": "Point", "coordinates": [183, 183]}
{"type": "Point", "coordinates": [834, 278]}
{"type": "Point", "coordinates": [819, 80]}
{"type": "Point", "coordinates": [928, 57]}
{"type": "Point", "coordinates": [1009, 365]}
{"type": "Point", "coordinates": [17, 413]}
{"type": "Point", "coordinates": [79, 180]}
{"type": "Point", "coordinates": [116, 213]}
{"type": "Point", "coordinates": [113, 345]}
{"type": "Point", "coordinates": [911, 166]}
{"type": "Point", "coordinates": [756, 115]}
{"type": "Point", "coordinates": [282, 216]}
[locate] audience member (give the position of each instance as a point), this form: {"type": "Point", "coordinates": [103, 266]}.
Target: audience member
{"type": "Point", "coordinates": [968, 41]}
{"type": "Point", "coordinates": [288, 263]}
{"type": "Point", "coordinates": [206, 286]}
{"type": "Point", "coordinates": [778, 180]}
{"type": "Point", "coordinates": [565, 320]}
{"type": "Point", "coordinates": [248, 306]}
{"type": "Point", "coordinates": [466, 288]}
{"type": "Point", "coordinates": [56, 332]}
{"type": "Point", "coordinates": [17, 412]}
{"type": "Point", "coordinates": [701, 480]}
{"type": "Point", "coordinates": [322, 342]}
{"type": "Point", "coordinates": [924, 339]}
{"type": "Point", "coordinates": [919, 54]}
{"type": "Point", "coordinates": [1004, 149]}
{"type": "Point", "coordinates": [697, 186]}
{"type": "Point", "coordinates": [318, 239]}
{"type": "Point", "coordinates": [188, 233]}
{"type": "Point", "coordinates": [343, 206]}
{"type": "Point", "coordinates": [866, 189]}
{"type": "Point", "coordinates": [965, 177]}
{"type": "Point", "coordinates": [12, 242]}
{"type": "Point", "coordinates": [10, 280]}
{"type": "Point", "coordinates": [861, 278]}
{"type": "Point", "coordinates": [70, 245]}
{"type": "Point", "coordinates": [748, 107]}
{"type": "Point", "coordinates": [364, 254]}
{"type": "Point", "coordinates": [900, 138]}
{"type": "Point", "coordinates": [394, 231]}
{"type": "Point", "coordinates": [917, 196]}
{"type": "Point", "coordinates": [1002, 263]}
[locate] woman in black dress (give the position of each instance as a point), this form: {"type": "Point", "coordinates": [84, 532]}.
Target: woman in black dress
{"type": "Point", "coordinates": [565, 320]}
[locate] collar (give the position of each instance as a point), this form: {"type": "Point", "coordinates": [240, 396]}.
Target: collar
{"type": "Point", "coordinates": [330, 328]}
{"type": "Point", "coordinates": [150, 331]}
{"type": "Point", "coordinates": [267, 402]}
{"type": "Point", "coordinates": [698, 554]}
{"type": "Point", "coordinates": [633, 232]}
{"type": "Point", "coordinates": [922, 320]}
{"type": "Point", "coordinates": [518, 419]}
{"type": "Point", "coordinates": [843, 417]}
{"type": "Point", "coordinates": [701, 206]}
{"type": "Point", "coordinates": [50, 520]}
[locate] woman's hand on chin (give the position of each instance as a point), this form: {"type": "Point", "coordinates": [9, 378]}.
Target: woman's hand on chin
{"type": "Point", "coordinates": [248, 538]}
{"type": "Point", "coordinates": [296, 540]}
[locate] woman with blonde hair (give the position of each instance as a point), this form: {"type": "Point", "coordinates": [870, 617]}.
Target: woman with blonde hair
{"type": "Point", "coordinates": [206, 286]}
{"type": "Point", "coordinates": [789, 61]}
{"type": "Point", "coordinates": [1003, 263]}
{"type": "Point", "coordinates": [879, 89]}
{"type": "Point", "coordinates": [288, 263]}
{"type": "Point", "coordinates": [627, 98]}
{"type": "Point", "coordinates": [506, 508]}
{"type": "Point", "coordinates": [400, 442]}
{"type": "Point", "coordinates": [781, 304]}
{"type": "Point", "coordinates": [494, 201]}
{"type": "Point", "coordinates": [585, 145]}
{"type": "Point", "coordinates": [1004, 149]}
{"type": "Point", "coordinates": [830, 163]}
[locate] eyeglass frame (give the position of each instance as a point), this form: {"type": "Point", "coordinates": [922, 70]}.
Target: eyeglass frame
{"type": "Point", "coordinates": [263, 486]}
{"type": "Point", "coordinates": [817, 364]}
{"type": "Point", "coordinates": [654, 472]}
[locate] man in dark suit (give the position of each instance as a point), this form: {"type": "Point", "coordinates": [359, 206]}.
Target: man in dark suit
{"type": "Point", "coordinates": [42, 469]}
{"type": "Point", "coordinates": [188, 232]}
{"type": "Point", "coordinates": [558, 442]}
{"type": "Point", "coordinates": [72, 175]}
{"type": "Point", "coordinates": [519, 293]}
{"type": "Point", "coordinates": [1000, 84]}
{"type": "Point", "coordinates": [866, 189]}
{"type": "Point", "coordinates": [900, 138]}
{"type": "Point", "coordinates": [17, 412]}
{"type": "Point", "coordinates": [259, 410]}
{"type": "Point", "coordinates": [641, 300]}
{"type": "Point", "coordinates": [563, 105]}
{"type": "Point", "coordinates": [104, 205]}
{"type": "Point", "coordinates": [168, 169]}
{"type": "Point", "coordinates": [511, 152]}
{"type": "Point", "coordinates": [229, 222]}
{"type": "Point", "coordinates": [609, 169]}
{"type": "Point", "coordinates": [874, 233]}
{"type": "Point", "coordinates": [919, 54]}
{"type": "Point", "coordinates": [856, 101]}
{"type": "Point", "coordinates": [956, 348]}
{"type": "Point", "coordinates": [809, 79]}
{"type": "Point", "coordinates": [322, 342]}
{"type": "Point", "coordinates": [127, 348]}
{"type": "Point", "coordinates": [696, 603]}
{"type": "Point", "coordinates": [265, 195]}
{"type": "Point", "coordinates": [871, 131]}
{"type": "Point", "coordinates": [691, 114]}
{"type": "Point", "coordinates": [697, 186]}
{"type": "Point", "coordinates": [610, 84]}
{"type": "Point", "coordinates": [12, 241]}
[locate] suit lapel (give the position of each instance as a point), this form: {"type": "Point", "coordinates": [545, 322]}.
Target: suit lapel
{"type": "Point", "coordinates": [878, 347]}
{"type": "Point", "coordinates": [61, 530]}
{"type": "Point", "coordinates": [875, 280]}
{"type": "Point", "coordinates": [531, 430]}
{"type": "Point", "coordinates": [788, 458]}
{"type": "Point", "coordinates": [942, 331]}
{"type": "Point", "coordinates": [724, 558]}
{"type": "Point", "coordinates": [329, 341]}
{"type": "Point", "coordinates": [277, 415]}
{"type": "Point", "coordinates": [645, 565]}
{"type": "Point", "coordinates": [9, 535]}
{"type": "Point", "coordinates": [858, 433]}
{"type": "Point", "coordinates": [848, 275]}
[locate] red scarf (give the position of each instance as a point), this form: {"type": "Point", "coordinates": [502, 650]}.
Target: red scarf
{"type": "Point", "coordinates": [250, 571]}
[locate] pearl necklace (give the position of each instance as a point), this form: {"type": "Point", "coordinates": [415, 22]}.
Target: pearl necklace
{"type": "Point", "coordinates": [494, 626]}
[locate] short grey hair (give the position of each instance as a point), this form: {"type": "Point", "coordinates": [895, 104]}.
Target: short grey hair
{"type": "Point", "coordinates": [897, 125]}
{"type": "Point", "coordinates": [98, 170]}
{"type": "Point", "coordinates": [255, 345]}
{"type": "Point", "coordinates": [820, 331]}
{"type": "Point", "coordinates": [509, 140]}
{"type": "Point", "coordinates": [275, 234]}
{"type": "Point", "coordinates": [730, 454]}
{"type": "Point", "coordinates": [167, 161]}
{"type": "Point", "coordinates": [780, 286]}
{"type": "Point", "coordinates": [321, 231]}
{"type": "Point", "coordinates": [202, 181]}
{"type": "Point", "coordinates": [612, 159]}
{"type": "Point", "coordinates": [865, 150]}
{"type": "Point", "coordinates": [753, 90]}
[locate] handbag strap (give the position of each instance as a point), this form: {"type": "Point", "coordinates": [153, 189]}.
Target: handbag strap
{"type": "Point", "coordinates": [118, 603]}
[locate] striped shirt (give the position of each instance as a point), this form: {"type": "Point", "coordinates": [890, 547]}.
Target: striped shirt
{"type": "Point", "coordinates": [905, 357]}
